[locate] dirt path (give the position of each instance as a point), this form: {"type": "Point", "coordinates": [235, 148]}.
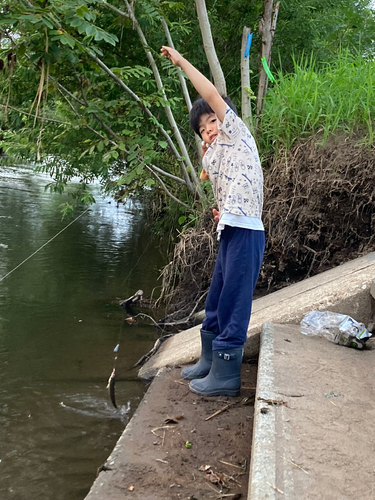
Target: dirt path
{"type": "Point", "coordinates": [165, 447]}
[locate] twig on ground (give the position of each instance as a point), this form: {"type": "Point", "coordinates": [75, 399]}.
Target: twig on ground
{"type": "Point", "coordinates": [232, 465]}
{"type": "Point", "coordinates": [232, 479]}
{"type": "Point", "coordinates": [219, 411]}
{"type": "Point", "coordinates": [226, 495]}
{"type": "Point", "coordinates": [274, 402]}
{"type": "Point", "coordinates": [274, 487]}
{"type": "Point", "coordinates": [213, 488]}
{"type": "Point", "coordinates": [296, 465]}
{"type": "Point", "coordinates": [162, 427]}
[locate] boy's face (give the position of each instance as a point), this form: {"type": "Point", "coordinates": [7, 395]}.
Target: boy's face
{"type": "Point", "coordinates": [208, 127]}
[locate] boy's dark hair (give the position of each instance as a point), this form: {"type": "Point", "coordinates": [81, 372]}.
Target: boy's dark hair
{"type": "Point", "coordinates": [201, 107]}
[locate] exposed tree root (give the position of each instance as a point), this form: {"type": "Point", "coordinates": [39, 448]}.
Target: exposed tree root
{"type": "Point", "coordinates": [187, 277]}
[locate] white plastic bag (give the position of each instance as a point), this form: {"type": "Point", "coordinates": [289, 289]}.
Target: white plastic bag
{"type": "Point", "coordinates": [338, 328]}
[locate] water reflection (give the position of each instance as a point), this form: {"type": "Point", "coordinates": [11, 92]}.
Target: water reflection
{"type": "Point", "coordinates": [59, 324]}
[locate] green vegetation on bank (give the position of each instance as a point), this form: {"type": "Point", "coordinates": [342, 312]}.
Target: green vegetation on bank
{"type": "Point", "coordinates": [335, 96]}
{"type": "Point", "coordinates": [85, 94]}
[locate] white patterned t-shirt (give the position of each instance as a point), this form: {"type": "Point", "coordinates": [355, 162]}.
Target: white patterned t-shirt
{"type": "Point", "coordinates": [233, 166]}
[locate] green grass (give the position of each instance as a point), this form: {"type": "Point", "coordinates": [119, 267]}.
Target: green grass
{"type": "Point", "coordinates": [337, 96]}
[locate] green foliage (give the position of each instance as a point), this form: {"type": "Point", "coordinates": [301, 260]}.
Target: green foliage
{"type": "Point", "coordinates": [60, 109]}
{"type": "Point", "coordinates": [337, 96]}
{"type": "Point", "coordinates": [322, 28]}
{"type": "Point", "coordinates": [93, 129]}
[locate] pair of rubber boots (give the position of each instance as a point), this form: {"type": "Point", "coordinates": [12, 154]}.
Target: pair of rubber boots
{"type": "Point", "coordinates": [217, 373]}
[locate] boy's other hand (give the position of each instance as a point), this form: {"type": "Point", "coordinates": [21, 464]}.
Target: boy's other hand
{"type": "Point", "coordinates": [216, 215]}
{"type": "Point", "coordinates": [172, 54]}
{"type": "Point", "coordinates": [204, 175]}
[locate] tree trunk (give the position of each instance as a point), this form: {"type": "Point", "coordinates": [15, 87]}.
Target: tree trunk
{"type": "Point", "coordinates": [184, 87]}
{"type": "Point", "coordinates": [209, 48]}
{"type": "Point", "coordinates": [192, 178]}
{"type": "Point", "coordinates": [245, 83]}
{"type": "Point", "coordinates": [267, 27]}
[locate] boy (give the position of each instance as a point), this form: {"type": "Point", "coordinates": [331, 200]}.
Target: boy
{"type": "Point", "coordinates": [231, 162]}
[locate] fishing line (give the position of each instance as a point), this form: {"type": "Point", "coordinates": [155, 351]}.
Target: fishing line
{"type": "Point", "coordinates": [112, 379]}
{"type": "Point", "coordinates": [45, 244]}
{"type": "Point", "coordinates": [136, 264]}
{"type": "Point", "coordinates": [115, 350]}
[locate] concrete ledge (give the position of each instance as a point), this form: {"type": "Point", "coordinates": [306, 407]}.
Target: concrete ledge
{"type": "Point", "coordinates": [313, 403]}
{"type": "Point", "coordinates": [263, 454]}
{"type": "Point", "coordinates": [343, 288]}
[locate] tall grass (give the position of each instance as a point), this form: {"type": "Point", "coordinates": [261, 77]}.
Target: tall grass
{"type": "Point", "coordinates": [337, 96]}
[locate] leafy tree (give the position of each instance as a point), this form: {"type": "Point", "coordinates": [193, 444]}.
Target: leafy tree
{"type": "Point", "coordinates": [122, 114]}
{"type": "Point", "coordinates": [85, 92]}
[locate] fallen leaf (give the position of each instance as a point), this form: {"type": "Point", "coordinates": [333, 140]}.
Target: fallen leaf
{"type": "Point", "coordinates": [204, 467]}
{"type": "Point", "coordinates": [215, 477]}
{"type": "Point", "coordinates": [173, 420]}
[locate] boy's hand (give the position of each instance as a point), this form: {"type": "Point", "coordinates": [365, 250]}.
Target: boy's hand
{"type": "Point", "coordinates": [216, 215]}
{"type": "Point", "coordinates": [204, 175]}
{"type": "Point", "coordinates": [172, 54]}
{"type": "Point", "coordinates": [204, 148]}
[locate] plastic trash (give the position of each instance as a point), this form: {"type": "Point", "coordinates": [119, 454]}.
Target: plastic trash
{"type": "Point", "coordinates": [338, 328]}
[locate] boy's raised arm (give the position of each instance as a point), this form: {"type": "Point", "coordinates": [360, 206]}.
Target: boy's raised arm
{"type": "Point", "coordinates": [202, 85]}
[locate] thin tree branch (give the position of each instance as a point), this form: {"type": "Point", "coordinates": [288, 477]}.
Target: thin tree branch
{"type": "Point", "coordinates": [102, 123]}
{"type": "Point", "coordinates": [267, 26]}
{"type": "Point", "coordinates": [115, 9]}
{"type": "Point", "coordinates": [209, 47]}
{"type": "Point", "coordinates": [165, 188]}
{"type": "Point", "coordinates": [36, 116]}
{"type": "Point", "coordinates": [167, 108]}
{"type": "Point", "coordinates": [86, 125]}
{"type": "Point", "coordinates": [163, 172]}
{"type": "Point", "coordinates": [185, 90]}
{"type": "Point", "coordinates": [167, 174]}
{"type": "Point", "coordinates": [245, 83]}
{"type": "Point", "coordinates": [134, 96]}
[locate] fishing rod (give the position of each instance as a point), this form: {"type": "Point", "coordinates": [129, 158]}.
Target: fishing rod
{"type": "Point", "coordinates": [112, 378]}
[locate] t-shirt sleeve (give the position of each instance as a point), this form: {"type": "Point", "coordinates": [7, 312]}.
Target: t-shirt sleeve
{"type": "Point", "coordinates": [232, 125]}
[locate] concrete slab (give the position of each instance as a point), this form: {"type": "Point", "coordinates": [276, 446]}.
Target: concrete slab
{"type": "Point", "coordinates": [343, 288]}
{"type": "Point", "coordinates": [151, 460]}
{"type": "Point", "coordinates": [312, 435]}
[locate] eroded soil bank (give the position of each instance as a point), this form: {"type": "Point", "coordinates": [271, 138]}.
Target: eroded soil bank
{"type": "Point", "coordinates": [318, 213]}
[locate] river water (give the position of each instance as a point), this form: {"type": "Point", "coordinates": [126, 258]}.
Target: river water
{"type": "Point", "coordinates": [59, 325]}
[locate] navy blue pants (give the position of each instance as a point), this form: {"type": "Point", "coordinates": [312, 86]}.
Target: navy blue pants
{"type": "Point", "coordinates": [229, 299]}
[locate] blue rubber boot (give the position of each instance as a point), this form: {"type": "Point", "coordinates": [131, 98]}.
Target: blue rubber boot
{"type": "Point", "coordinates": [224, 378]}
{"type": "Point", "coordinates": [203, 366]}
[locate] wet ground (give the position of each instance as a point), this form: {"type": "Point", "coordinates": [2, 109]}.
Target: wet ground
{"type": "Point", "coordinates": [183, 446]}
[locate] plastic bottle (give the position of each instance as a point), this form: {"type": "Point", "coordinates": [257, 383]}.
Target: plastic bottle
{"type": "Point", "coordinates": [338, 328]}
